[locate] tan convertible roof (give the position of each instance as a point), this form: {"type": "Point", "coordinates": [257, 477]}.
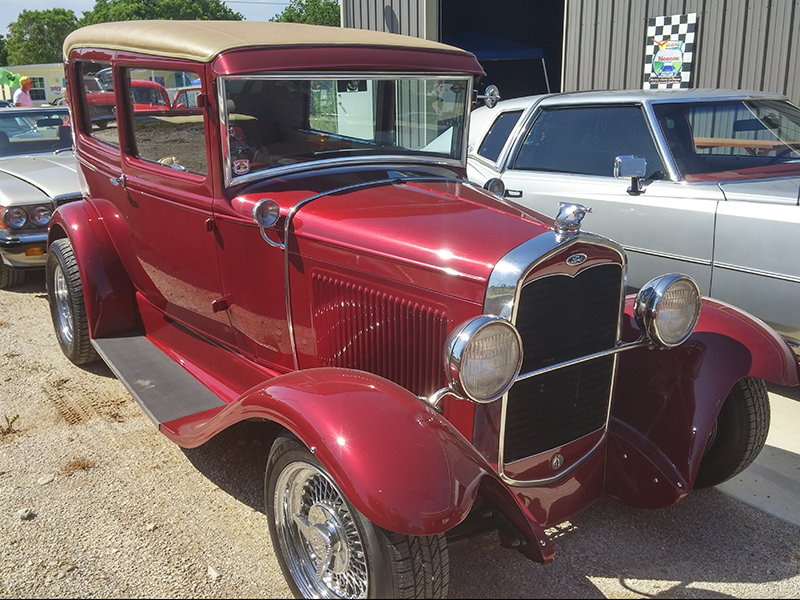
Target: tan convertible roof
{"type": "Point", "coordinates": [203, 40]}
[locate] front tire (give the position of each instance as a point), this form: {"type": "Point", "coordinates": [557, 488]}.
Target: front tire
{"type": "Point", "coordinates": [67, 308]}
{"type": "Point", "coordinates": [328, 549]}
{"type": "Point", "coordinates": [739, 433]}
{"type": "Point", "coordinates": [10, 277]}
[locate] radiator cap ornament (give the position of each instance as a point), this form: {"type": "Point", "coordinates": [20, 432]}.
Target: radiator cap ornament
{"type": "Point", "coordinates": [568, 221]}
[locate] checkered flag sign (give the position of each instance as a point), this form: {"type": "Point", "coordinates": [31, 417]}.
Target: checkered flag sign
{"type": "Point", "coordinates": [669, 49]}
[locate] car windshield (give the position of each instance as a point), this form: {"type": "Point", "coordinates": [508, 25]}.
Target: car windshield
{"type": "Point", "coordinates": [31, 131]}
{"type": "Point", "coordinates": [730, 140]}
{"type": "Point", "coordinates": [279, 122]}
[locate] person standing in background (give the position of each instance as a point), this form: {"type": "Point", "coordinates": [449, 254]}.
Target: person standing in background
{"type": "Point", "coordinates": [21, 96]}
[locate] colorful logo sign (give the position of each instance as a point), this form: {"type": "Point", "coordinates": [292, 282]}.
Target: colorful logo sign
{"type": "Point", "coordinates": [668, 59]}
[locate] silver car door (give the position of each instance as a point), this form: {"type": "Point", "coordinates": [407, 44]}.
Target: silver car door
{"type": "Point", "coordinates": [568, 156]}
{"type": "Point", "coordinates": [755, 264]}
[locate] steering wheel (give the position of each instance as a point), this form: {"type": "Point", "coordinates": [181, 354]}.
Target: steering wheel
{"type": "Point", "coordinates": [778, 155]}
{"type": "Point", "coordinates": [172, 162]}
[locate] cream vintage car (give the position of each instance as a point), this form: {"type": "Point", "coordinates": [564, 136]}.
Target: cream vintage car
{"type": "Point", "coordinates": [715, 190]}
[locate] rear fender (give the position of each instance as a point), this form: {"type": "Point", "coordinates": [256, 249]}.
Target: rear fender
{"type": "Point", "coordinates": [667, 401]}
{"type": "Point", "coordinates": [400, 463]}
{"type": "Point", "coordinates": [107, 289]}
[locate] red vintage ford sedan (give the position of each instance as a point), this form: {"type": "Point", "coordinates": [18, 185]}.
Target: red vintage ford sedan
{"type": "Point", "coordinates": [302, 248]}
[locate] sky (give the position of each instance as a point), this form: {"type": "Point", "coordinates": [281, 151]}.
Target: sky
{"type": "Point", "coordinates": [251, 10]}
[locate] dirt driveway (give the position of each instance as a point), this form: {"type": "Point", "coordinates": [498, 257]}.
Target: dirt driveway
{"type": "Point", "coordinates": [116, 510]}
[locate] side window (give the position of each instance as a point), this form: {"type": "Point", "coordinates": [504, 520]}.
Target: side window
{"type": "Point", "coordinates": [586, 140]}
{"type": "Point", "coordinates": [167, 133]}
{"type": "Point", "coordinates": [497, 137]}
{"type": "Point", "coordinates": [99, 102]}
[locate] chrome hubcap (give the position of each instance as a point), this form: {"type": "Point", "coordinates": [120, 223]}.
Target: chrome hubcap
{"type": "Point", "coordinates": [63, 311]}
{"type": "Point", "coordinates": [318, 535]}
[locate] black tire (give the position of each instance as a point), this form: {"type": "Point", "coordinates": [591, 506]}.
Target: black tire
{"type": "Point", "coordinates": [10, 277]}
{"type": "Point", "coordinates": [370, 563]}
{"type": "Point", "coordinates": [67, 308]}
{"type": "Point", "coordinates": [739, 433]}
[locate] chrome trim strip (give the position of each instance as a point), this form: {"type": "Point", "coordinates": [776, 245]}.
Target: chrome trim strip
{"type": "Point", "coordinates": [575, 361]}
{"type": "Point", "coordinates": [688, 259]}
{"type": "Point", "coordinates": [391, 159]}
{"type": "Point", "coordinates": [296, 208]}
{"type": "Point", "coordinates": [761, 273]}
{"type": "Point", "coordinates": [502, 293]}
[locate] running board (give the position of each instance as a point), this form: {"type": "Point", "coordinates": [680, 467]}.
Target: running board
{"type": "Point", "coordinates": [164, 389]}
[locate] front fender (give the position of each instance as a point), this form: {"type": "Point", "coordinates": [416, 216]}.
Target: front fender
{"type": "Point", "coordinates": [107, 289]}
{"type": "Point", "coordinates": [400, 463]}
{"type": "Point", "coordinates": [667, 401]}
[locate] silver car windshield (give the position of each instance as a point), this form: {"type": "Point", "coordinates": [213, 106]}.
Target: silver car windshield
{"type": "Point", "coordinates": [32, 131]}
{"type": "Point", "coordinates": [282, 122]}
{"type": "Point", "coordinates": [712, 141]}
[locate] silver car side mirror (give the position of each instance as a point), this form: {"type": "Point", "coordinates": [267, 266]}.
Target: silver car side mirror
{"type": "Point", "coordinates": [633, 167]}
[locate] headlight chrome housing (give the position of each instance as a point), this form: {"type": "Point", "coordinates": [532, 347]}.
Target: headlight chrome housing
{"type": "Point", "coordinates": [667, 309]}
{"type": "Point", "coordinates": [13, 217]}
{"type": "Point", "coordinates": [482, 358]}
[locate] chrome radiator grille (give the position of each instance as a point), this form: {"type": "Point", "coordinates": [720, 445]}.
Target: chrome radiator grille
{"type": "Point", "coordinates": [361, 328]}
{"type": "Point", "coordinates": [562, 318]}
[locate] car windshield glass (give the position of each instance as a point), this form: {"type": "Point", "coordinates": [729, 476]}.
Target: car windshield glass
{"type": "Point", "coordinates": [277, 122]}
{"type": "Point", "coordinates": [31, 131]}
{"type": "Point", "coordinates": [715, 141]}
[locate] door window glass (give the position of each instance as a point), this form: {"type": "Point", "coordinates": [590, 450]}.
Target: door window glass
{"type": "Point", "coordinates": [98, 99]}
{"type": "Point", "coordinates": [166, 134]}
{"type": "Point", "coordinates": [494, 141]}
{"type": "Point", "coordinates": [586, 140]}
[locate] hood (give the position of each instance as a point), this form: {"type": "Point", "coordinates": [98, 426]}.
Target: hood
{"type": "Point", "coordinates": [31, 179]}
{"type": "Point", "coordinates": [440, 235]}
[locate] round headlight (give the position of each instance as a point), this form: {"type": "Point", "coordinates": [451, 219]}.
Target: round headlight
{"type": "Point", "coordinates": [40, 216]}
{"type": "Point", "coordinates": [14, 217]}
{"type": "Point", "coordinates": [482, 358]}
{"type": "Point", "coordinates": [667, 309]}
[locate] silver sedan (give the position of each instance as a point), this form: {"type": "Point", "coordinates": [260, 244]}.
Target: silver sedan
{"type": "Point", "coordinates": [703, 182]}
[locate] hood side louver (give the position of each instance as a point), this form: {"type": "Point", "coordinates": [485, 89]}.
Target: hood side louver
{"type": "Point", "coordinates": [358, 327]}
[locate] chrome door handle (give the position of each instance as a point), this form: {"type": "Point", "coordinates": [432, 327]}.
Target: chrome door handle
{"type": "Point", "coordinates": [513, 193]}
{"type": "Point", "coordinates": [118, 181]}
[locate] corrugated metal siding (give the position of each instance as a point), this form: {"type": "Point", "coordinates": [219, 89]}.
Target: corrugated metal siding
{"type": "Point", "coordinates": [745, 44]}
{"type": "Point", "coordinates": [394, 16]}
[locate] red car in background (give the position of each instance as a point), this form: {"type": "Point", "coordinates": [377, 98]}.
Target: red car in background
{"type": "Point", "coordinates": [146, 95]}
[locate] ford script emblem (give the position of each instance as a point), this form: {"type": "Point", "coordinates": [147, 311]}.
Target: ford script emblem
{"type": "Point", "coordinates": [576, 259]}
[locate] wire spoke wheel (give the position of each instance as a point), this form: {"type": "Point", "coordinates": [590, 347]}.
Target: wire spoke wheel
{"type": "Point", "coordinates": [318, 534]}
{"type": "Point", "coordinates": [63, 312]}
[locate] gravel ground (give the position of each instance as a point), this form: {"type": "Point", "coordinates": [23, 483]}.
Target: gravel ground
{"type": "Point", "coordinates": [117, 511]}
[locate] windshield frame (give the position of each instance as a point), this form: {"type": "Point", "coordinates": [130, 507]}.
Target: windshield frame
{"type": "Point", "coordinates": [415, 156]}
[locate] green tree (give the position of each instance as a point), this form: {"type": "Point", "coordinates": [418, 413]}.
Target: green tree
{"type": "Point", "coordinates": [37, 36]}
{"type": "Point", "coordinates": [106, 11]}
{"type": "Point", "coordinates": [313, 12]}
{"type": "Point", "coordinates": [3, 52]}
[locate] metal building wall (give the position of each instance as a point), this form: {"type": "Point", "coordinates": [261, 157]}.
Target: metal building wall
{"type": "Point", "coordinates": [418, 18]}
{"type": "Point", "coordinates": [742, 44]}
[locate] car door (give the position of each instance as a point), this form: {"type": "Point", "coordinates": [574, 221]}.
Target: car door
{"type": "Point", "coordinates": [567, 155]}
{"type": "Point", "coordinates": [755, 263]}
{"type": "Point", "coordinates": [168, 207]}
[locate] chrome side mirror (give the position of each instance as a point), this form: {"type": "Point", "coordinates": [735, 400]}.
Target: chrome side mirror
{"type": "Point", "coordinates": [633, 167]}
{"type": "Point", "coordinates": [490, 97]}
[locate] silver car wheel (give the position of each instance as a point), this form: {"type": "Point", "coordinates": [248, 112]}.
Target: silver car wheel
{"type": "Point", "coordinates": [318, 535]}
{"type": "Point", "coordinates": [63, 309]}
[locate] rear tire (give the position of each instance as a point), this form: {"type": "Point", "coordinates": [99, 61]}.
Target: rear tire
{"type": "Point", "coordinates": [10, 277]}
{"type": "Point", "coordinates": [739, 433]}
{"type": "Point", "coordinates": [67, 308]}
{"type": "Point", "coordinates": [327, 549]}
